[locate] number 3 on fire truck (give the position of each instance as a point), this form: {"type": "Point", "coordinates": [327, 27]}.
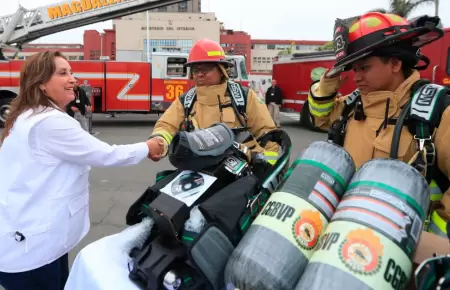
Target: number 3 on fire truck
{"type": "Point", "coordinates": [174, 91]}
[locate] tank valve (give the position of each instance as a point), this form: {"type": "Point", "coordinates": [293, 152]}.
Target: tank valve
{"type": "Point", "coordinates": [171, 281]}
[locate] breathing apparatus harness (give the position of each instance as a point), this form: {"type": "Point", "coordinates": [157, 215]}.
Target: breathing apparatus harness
{"type": "Point", "coordinates": [422, 115]}
{"type": "Point", "coordinates": [423, 112]}
{"type": "Point", "coordinates": [238, 102]}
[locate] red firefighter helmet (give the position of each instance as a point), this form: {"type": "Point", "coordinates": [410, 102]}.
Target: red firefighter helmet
{"type": "Point", "coordinates": [206, 50]}
{"type": "Point", "coordinates": [357, 37]}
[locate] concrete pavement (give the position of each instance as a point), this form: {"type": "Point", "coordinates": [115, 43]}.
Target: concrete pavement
{"type": "Point", "coordinates": [113, 190]}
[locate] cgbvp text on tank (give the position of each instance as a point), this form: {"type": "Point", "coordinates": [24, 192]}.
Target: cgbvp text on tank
{"type": "Point", "coordinates": [278, 210]}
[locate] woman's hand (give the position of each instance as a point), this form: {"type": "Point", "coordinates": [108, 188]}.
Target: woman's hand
{"type": "Point", "coordinates": [155, 147]}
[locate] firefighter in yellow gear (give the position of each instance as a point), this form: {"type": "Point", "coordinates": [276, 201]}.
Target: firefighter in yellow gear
{"type": "Point", "coordinates": [383, 50]}
{"type": "Point", "coordinates": [215, 99]}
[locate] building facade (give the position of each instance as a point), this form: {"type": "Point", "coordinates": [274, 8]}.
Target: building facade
{"type": "Point", "coordinates": [261, 53]}
{"type": "Point", "coordinates": [172, 32]}
{"type": "Point", "coordinates": [237, 42]}
{"type": "Point", "coordinates": [190, 6]}
{"type": "Point", "coordinates": [71, 51]}
{"type": "Point", "coordinates": [173, 28]}
{"type": "Point", "coordinates": [265, 51]}
{"type": "Point", "coordinates": [99, 44]}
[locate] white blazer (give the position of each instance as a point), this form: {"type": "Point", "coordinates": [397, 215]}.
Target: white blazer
{"type": "Point", "coordinates": [44, 188]}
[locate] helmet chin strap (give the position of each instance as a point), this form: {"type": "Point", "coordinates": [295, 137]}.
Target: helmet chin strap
{"type": "Point", "coordinates": [425, 59]}
{"type": "Point", "coordinates": [224, 71]}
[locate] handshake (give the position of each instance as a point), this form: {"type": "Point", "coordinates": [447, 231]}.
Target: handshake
{"type": "Point", "coordinates": [156, 148]}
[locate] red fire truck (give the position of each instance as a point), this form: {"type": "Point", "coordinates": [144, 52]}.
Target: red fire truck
{"type": "Point", "coordinates": [123, 87]}
{"type": "Point", "coordinates": [113, 86]}
{"type": "Point", "coordinates": [295, 73]}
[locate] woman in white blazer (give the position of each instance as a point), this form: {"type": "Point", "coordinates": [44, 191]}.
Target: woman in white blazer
{"type": "Point", "coordinates": [45, 158]}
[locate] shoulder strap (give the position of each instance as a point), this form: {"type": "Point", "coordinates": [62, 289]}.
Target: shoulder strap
{"type": "Point", "coordinates": [336, 132]}
{"type": "Point", "coordinates": [423, 113]}
{"type": "Point", "coordinates": [350, 101]}
{"type": "Point", "coordinates": [239, 96]}
{"type": "Point", "coordinates": [424, 116]}
{"type": "Point", "coordinates": [187, 100]}
{"type": "Point", "coordinates": [402, 118]}
{"type": "Point", "coordinates": [239, 102]}
{"type": "Point", "coordinates": [427, 106]}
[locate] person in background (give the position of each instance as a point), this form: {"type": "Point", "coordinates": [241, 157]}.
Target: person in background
{"type": "Point", "coordinates": [45, 159]}
{"type": "Point", "coordinates": [79, 106]}
{"type": "Point", "coordinates": [274, 100]}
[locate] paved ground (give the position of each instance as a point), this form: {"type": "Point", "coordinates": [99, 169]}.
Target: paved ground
{"type": "Point", "coordinates": [113, 190]}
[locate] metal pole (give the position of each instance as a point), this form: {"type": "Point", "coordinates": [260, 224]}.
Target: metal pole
{"type": "Point", "coordinates": [148, 37]}
{"type": "Point", "coordinates": [101, 45]}
{"type": "Point", "coordinates": [436, 8]}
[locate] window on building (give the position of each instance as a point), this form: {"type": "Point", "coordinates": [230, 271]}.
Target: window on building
{"type": "Point", "coordinates": [175, 67]}
{"type": "Point", "coordinates": [164, 45]}
{"type": "Point", "coordinates": [182, 7]}
{"type": "Point", "coordinates": [94, 54]}
{"type": "Point", "coordinates": [162, 9]}
{"type": "Point", "coordinates": [73, 57]}
{"type": "Point", "coordinates": [271, 46]}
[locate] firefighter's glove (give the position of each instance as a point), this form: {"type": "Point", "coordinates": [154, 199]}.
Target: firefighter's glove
{"type": "Point", "coordinates": [328, 86]}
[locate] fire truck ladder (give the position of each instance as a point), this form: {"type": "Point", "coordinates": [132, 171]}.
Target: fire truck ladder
{"type": "Point", "coordinates": [27, 25]}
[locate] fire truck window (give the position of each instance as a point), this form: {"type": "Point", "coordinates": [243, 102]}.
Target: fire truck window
{"type": "Point", "coordinates": [175, 67]}
{"type": "Point", "coordinates": [232, 71]}
{"type": "Point", "coordinates": [448, 62]}
{"type": "Point", "coordinates": [243, 70]}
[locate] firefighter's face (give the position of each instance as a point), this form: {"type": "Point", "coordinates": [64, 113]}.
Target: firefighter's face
{"type": "Point", "coordinates": [372, 74]}
{"type": "Point", "coordinates": [206, 74]}
{"type": "Point", "coordinates": [60, 86]}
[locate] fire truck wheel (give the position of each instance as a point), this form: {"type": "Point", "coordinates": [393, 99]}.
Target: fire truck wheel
{"type": "Point", "coordinates": [4, 109]}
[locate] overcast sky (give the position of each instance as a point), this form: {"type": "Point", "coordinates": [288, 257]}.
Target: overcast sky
{"type": "Point", "coordinates": [262, 19]}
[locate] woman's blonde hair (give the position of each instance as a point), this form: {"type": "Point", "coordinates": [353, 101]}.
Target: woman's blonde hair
{"type": "Point", "coordinates": [37, 69]}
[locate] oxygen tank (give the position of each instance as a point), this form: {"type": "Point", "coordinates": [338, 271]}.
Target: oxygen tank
{"type": "Point", "coordinates": [277, 247]}
{"type": "Point", "coordinates": [372, 237]}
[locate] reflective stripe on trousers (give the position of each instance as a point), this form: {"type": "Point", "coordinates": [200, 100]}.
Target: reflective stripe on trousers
{"type": "Point", "coordinates": [435, 191]}
{"type": "Point", "coordinates": [437, 225]}
{"type": "Point", "coordinates": [271, 157]}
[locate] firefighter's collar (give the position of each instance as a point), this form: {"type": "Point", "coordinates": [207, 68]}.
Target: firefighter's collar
{"type": "Point", "coordinates": [207, 95]}
{"type": "Point", "coordinates": [375, 103]}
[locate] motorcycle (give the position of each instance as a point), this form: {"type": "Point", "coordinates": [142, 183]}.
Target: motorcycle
{"type": "Point", "coordinates": [202, 209]}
